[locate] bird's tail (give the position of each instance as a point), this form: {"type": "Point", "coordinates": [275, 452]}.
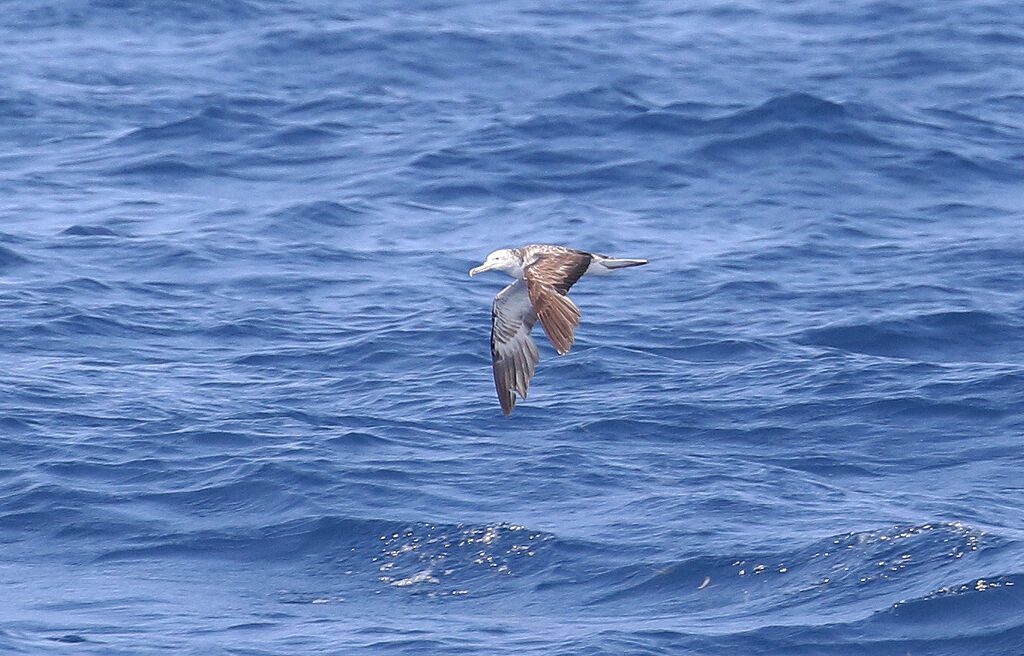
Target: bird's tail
{"type": "Point", "coordinates": [618, 262]}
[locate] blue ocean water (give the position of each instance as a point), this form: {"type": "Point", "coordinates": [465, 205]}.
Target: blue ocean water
{"type": "Point", "coordinates": [246, 404]}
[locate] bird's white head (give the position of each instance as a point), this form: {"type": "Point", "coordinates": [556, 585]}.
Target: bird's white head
{"type": "Point", "coordinates": [501, 260]}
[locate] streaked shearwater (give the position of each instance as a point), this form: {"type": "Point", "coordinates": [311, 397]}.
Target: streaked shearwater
{"type": "Point", "coordinates": [543, 276]}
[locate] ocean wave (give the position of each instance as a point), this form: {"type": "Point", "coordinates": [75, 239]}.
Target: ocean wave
{"type": "Point", "coordinates": [847, 577]}
{"type": "Point", "coordinates": [166, 168]}
{"type": "Point", "coordinates": [78, 230]}
{"type": "Point", "coordinates": [936, 166]}
{"type": "Point", "coordinates": [115, 15]}
{"type": "Point", "coordinates": [790, 108]}
{"type": "Point", "coordinates": [968, 335]}
{"type": "Point", "coordinates": [10, 258]}
{"type": "Point", "coordinates": [86, 324]}
{"type": "Point", "coordinates": [795, 108]}
{"type": "Point", "coordinates": [790, 141]}
{"type": "Point", "coordinates": [211, 124]}
{"type": "Point", "coordinates": [610, 99]}
{"type": "Point", "coordinates": [322, 216]}
{"type": "Point", "coordinates": [444, 559]}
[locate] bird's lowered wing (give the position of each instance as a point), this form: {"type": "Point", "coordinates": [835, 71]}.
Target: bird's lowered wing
{"type": "Point", "coordinates": [513, 351]}
{"type": "Point", "coordinates": [548, 279]}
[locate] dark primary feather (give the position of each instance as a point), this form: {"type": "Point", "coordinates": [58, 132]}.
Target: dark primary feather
{"type": "Point", "coordinates": [513, 351]}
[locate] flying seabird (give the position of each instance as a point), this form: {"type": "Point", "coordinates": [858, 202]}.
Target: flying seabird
{"type": "Point", "coordinates": [543, 276]}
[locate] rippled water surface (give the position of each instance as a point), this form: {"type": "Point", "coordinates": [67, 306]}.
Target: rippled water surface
{"type": "Point", "coordinates": [246, 404]}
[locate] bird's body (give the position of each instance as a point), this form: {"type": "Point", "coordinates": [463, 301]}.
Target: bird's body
{"type": "Point", "coordinates": [543, 274]}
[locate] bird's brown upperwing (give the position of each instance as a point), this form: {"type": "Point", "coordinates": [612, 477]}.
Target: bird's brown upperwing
{"type": "Point", "coordinates": [548, 279]}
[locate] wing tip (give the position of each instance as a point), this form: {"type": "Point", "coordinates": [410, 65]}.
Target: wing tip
{"type": "Point", "coordinates": [508, 403]}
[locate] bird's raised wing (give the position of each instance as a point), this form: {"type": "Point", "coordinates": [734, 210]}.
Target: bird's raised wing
{"type": "Point", "coordinates": [513, 351]}
{"type": "Point", "coordinates": [548, 279]}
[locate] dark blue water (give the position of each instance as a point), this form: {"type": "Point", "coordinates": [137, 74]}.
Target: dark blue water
{"type": "Point", "coordinates": [246, 404]}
